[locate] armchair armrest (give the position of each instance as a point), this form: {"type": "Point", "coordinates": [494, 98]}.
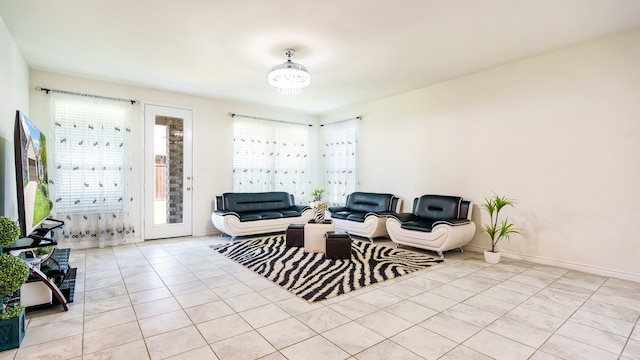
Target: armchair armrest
{"type": "Point", "coordinates": [219, 203]}
{"type": "Point", "coordinates": [225, 213]}
{"type": "Point", "coordinates": [403, 217]}
{"type": "Point", "coordinates": [452, 222]}
{"type": "Point", "coordinates": [383, 214]}
{"type": "Point", "coordinates": [300, 208]}
{"type": "Point", "coordinates": [333, 209]}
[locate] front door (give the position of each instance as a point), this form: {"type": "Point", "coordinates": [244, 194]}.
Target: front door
{"type": "Point", "coordinates": [168, 171]}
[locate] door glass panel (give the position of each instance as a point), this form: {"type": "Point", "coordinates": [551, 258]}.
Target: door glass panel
{"type": "Point", "coordinates": [169, 170]}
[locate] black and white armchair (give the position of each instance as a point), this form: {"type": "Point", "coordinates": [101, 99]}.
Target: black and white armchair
{"type": "Point", "coordinates": [437, 223]}
{"type": "Point", "coordinates": [365, 214]}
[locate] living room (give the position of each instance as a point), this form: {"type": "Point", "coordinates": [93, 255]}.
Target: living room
{"type": "Point", "coordinates": [557, 131]}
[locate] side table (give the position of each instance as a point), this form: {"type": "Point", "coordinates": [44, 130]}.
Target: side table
{"type": "Point", "coordinates": [314, 240]}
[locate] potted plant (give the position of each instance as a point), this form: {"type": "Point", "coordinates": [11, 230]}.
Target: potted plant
{"type": "Point", "coordinates": [497, 229]}
{"type": "Point", "coordinates": [318, 205]}
{"type": "Point", "coordinates": [43, 252]}
{"type": "Point", "coordinates": [9, 231]}
{"type": "Point", "coordinates": [14, 272]}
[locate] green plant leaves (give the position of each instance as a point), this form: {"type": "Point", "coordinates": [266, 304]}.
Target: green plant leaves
{"type": "Point", "coordinates": [13, 273]}
{"type": "Point", "coordinates": [9, 231]}
{"type": "Point", "coordinates": [498, 229]}
{"type": "Point", "coordinates": [317, 194]}
{"type": "Point", "coordinates": [11, 311]}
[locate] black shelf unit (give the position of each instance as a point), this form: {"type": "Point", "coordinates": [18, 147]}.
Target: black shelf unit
{"type": "Point", "coordinates": [55, 271]}
{"type": "Point", "coordinates": [57, 268]}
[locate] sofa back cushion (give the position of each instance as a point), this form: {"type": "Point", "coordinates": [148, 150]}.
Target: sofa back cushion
{"type": "Point", "coordinates": [369, 202]}
{"type": "Point", "coordinates": [437, 207]}
{"type": "Point", "coordinates": [249, 202]}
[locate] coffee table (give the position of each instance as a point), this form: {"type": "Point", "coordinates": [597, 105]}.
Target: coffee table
{"type": "Point", "coordinates": [314, 235]}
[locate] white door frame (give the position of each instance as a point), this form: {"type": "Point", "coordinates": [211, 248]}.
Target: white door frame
{"type": "Point", "coordinates": [158, 231]}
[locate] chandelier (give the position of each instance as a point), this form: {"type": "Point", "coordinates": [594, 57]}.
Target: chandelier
{"type": "Point", "coordinates": [289, 77]}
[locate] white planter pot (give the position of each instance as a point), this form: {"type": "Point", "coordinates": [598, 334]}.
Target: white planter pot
{"type": "Point", "coordinates": [492, 257]}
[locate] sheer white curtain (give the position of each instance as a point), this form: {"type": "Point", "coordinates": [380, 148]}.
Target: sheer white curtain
{"type": "Point", "coordinates": [92, 175]}
{"type": "Point", "coordinates": [271, 156]}
{"type": "Point", "coordinates": [340, 160]}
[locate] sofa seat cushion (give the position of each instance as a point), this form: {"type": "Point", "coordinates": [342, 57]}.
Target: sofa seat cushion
{"type": "Point", "coordinates": [290, 213]}
{"type": "Point", "coordinates": [357, 216]}
{"type": "Point", "coordinates": [350, 215]}
{"type": "Point", "coordinates": [427, 225]}
{"type": "Point", "coordinates": [266, 215]}
{"type": "Point", "coordinates": [341, 214]}
{"type": "Point", "coordinates": [419, 225]}
{"type": "Point", "coordinates": [248, 216]}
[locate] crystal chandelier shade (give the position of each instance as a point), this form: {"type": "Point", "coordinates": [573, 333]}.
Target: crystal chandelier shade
{"type": "Point", "coordinates": [289, 77]}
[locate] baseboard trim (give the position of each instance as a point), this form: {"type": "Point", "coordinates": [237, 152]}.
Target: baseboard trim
{"type": "Point", "coordinates": [564, 264]}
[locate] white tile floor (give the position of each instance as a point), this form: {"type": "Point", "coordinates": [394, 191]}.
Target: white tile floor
{"type": "Point", "coordinates": [178, 299]}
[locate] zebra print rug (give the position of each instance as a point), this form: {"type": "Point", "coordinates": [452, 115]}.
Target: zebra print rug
{"type": "Point", "coordinates": [313, 277]}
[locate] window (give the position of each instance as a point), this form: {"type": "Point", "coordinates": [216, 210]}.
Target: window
{"type": "Point", "coordinates": [271, 156]}
{"type": "Point", "coordinates": [340, 160]}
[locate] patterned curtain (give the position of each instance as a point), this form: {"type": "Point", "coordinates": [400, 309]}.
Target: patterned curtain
{"type": "Point", "coordinates": [340, 160]}
{"type": "Point", "coordinates": [271, 156]}
{"type": "Point", "coordinates": [92, 183]}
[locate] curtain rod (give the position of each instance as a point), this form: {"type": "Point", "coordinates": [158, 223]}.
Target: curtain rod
{"type": "Point", "coordinates": [341, 121]}
{"type": "Point", "coordinates": [39, 88]}
{"type": "Point", "coordinates": [265, 119]}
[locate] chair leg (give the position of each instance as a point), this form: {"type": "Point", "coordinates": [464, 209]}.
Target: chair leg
{"type": "Point", "coordinates": [441, 255]}
{"type": "Point", "coordinates": [461, 251]}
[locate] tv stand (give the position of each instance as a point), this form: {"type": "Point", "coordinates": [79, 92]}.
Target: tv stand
{"type": "Point", "coordinates": [47, 234]}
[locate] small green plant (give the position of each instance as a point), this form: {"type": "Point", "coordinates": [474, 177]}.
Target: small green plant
{"type": "Point", "coordinates": [9, 231]}
{"type": "Point", "coordinates": [11, 311]}
{"type": "Point", "coordinates": [13, 270]}
{"type": "Point", "coordinates": [316, 203]}
{"type": "Point", "coordinates": [317, 194]}
{"type": "Point", "coordinates": [498, 229]}
{"type": "Point", "coordinates": [13, 273]}
{"type": "Point", "coordinates": [45, 250]}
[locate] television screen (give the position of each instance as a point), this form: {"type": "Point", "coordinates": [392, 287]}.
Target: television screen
{"type": "Point", "coordinates": [34, 205]}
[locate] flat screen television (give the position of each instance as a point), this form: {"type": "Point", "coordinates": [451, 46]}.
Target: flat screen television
{"type": "Point", "coordinates": [32, 181]}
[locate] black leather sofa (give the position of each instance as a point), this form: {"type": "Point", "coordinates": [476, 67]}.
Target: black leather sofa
{"type": "Point", "coordinates": [364, 213]}
{"type": "Point", "coordinates": [437, 223]}
{"type": "Point", "coordinates": [240, 214]}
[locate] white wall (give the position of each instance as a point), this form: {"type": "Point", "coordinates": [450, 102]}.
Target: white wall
{"type": "Point", "coordinates": [14, 95]}
{"type": "Point", "coordinates": [212, 139]}
{"type": "Point", "coordinates": [559, 132]}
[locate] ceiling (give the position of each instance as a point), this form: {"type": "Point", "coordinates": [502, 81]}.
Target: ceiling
{"type": "Point", "coordinates": [355, 50]}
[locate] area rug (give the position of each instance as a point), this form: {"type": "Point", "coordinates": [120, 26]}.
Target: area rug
{"type": "Point", "coordinates": [312, 276]}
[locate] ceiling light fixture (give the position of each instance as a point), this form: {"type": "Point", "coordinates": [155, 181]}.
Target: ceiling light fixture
{"type": "Point", "coordinates": [289, 77]}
